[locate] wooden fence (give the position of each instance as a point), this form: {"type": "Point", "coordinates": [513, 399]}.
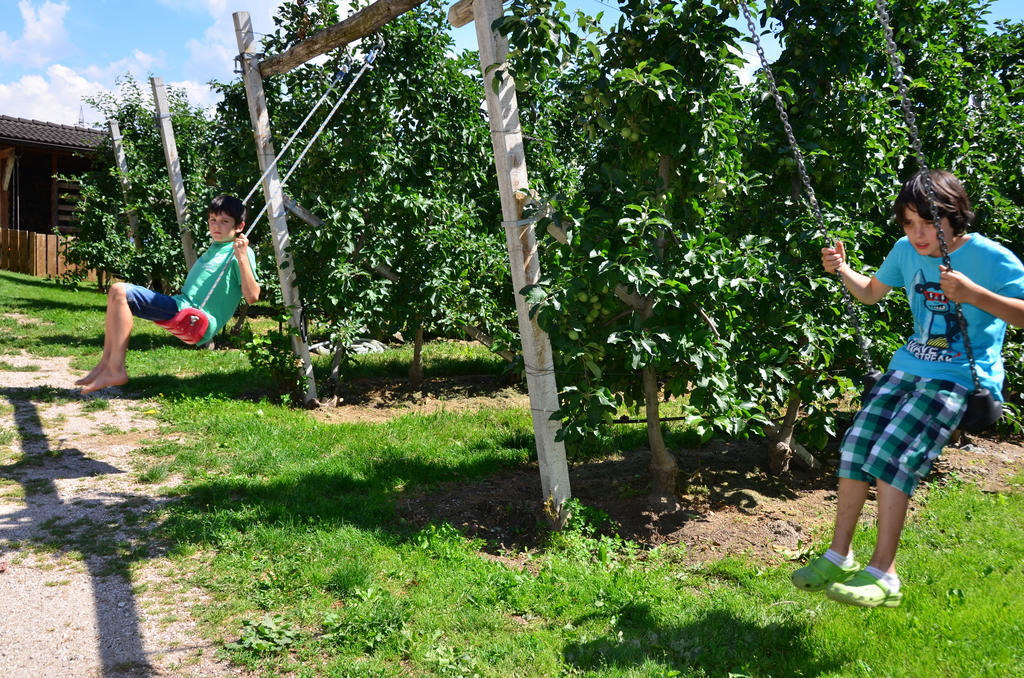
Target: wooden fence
{"type": "Point", "coordinates": [36, 254]}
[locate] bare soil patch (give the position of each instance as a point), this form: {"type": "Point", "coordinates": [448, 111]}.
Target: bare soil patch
{"type": "Point", "coordinates": [377, 400]}
{"type": "Point", "coordinates": [729, 503]}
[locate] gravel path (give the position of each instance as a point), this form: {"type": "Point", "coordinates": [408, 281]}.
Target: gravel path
{"type": "Point", "coordinates": [83, 591]}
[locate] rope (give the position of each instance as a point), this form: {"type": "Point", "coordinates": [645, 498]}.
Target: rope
{"type": "Point", "coordinates": [851, 309]}
{"type": "Point", "coordinates": [342, 72]}
{"type": "Point", "coordinates": [370, 57]}
{"type": "Point", "coordinates": [915, 142]}
{"type": "Point", "coordinates": [367, 63]}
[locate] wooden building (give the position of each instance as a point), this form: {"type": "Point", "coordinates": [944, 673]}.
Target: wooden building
{"type": "Point", "coordinates": [32, 154]}
{"type": "Point", "coordinates": [34, 204]}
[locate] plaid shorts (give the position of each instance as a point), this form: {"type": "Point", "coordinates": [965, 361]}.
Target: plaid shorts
{"type": "Point", "coordinates": [901, 429]}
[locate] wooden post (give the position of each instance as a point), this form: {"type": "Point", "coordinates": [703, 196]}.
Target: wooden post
{"type": "Point", "coordinates": [7, 161]}
{"type": "Point", "coordinates": [510, 162]}
{"type": "Point", "coordinates": [272, 189]}
{"type": "Point", "coordinates": [37, 255]}
{"type": "Point", "coordinates": [23, 253]}
{"type": "Point", "coordinates": [122, 175]}
{"type": "Point", "coordinates": [54, 222]}
{"type": "Point", "coordinates": [163, 119]}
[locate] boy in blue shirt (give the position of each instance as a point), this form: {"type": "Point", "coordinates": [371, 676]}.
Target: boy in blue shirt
{"type": "Point", "coordinates": [914, 408]}
{"type": "Point", "coordinates": [215, 285]}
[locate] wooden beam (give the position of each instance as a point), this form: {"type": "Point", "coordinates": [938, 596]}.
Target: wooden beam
{"type": "Point", "coordinates": [510, 163]}
{"type": "Point", "coordinates": [461, 13]}
{"type": "Point", "coordinates": [272, 190]}
{"type": "Point", "coordinates": [122, 175]}
{"type": "Point", "coordinates": [163, 120]}
{"type": "Point", "coordinates": [358, 25]}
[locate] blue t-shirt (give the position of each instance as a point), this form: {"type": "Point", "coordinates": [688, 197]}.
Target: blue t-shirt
{"type": "Point", "coordinates": [936, 349]}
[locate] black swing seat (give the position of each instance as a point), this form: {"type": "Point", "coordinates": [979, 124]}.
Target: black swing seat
{"type": "Point", "coordinates": [983, 411]}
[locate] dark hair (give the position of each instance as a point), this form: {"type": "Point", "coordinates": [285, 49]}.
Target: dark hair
{"type": "Point", "coordinates": [229, 205]}
{"type": "Point", "coordinates": [950, 199]}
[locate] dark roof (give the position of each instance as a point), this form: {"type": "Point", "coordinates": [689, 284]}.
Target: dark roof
{"type": "Point", "coordinates": [49, 134]}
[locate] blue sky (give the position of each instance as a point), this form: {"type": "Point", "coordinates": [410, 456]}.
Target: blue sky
{"type": "Point", "coordinates": [55, 52]}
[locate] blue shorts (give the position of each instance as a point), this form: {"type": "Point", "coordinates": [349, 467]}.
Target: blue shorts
{"type": "Point", "coordinates": [149, 305]}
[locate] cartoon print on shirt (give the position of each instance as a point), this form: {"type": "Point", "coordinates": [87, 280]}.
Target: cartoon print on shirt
{"type": "Point", "coordinates": [940, 325]}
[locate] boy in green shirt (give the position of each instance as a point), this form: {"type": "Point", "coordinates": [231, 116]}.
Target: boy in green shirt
{"type": "Point", "coordinates": [230, 249]}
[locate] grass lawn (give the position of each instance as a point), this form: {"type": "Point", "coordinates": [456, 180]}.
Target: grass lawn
{"type": "Point", "coordinates": [290, 524]}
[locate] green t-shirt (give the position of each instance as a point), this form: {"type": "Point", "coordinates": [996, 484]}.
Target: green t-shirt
{"type": "Point", "coordinates": [225, 298]}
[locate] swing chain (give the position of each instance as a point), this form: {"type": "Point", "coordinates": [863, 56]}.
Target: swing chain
{"type": "Point", "coordinates": [915, 142]}
{"type": "Point", "coordinates": [851, 309]}
{"type": "Point", "coordinates": [341, 73]}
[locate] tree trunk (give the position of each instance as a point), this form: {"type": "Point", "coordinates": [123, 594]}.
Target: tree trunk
{"type": "Point", "coordinates": [240, 321]}
{"type": "Point", "coordinates": [663, 464]}
{"type": "Point", "coordinates": [416, 371]}
{"type": "Point", "coordinates": [334, 380]}
{"type": "Point", "coordinates": [781, 453]}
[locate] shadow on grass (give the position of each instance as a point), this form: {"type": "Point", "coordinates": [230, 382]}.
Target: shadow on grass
{"type": "Point", "coordinates": [717, 643]}
{"type": "Point", "coordinates": [37, 305]}
{"type": "Point", "coordinates": [364, 498]}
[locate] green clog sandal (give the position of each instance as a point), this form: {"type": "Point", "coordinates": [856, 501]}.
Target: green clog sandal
{"type": "Point", "coordinates": [821, 572]}
{"type": "Point", "coordinates": [863, 590]}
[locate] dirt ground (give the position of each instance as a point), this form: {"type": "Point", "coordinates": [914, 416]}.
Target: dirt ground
{"type": "Point", "coordinates": [74, 516]}
{"type": "Point", "coordinates": [74, 509]}
{"type": "Point", "coordinates": [729, 503]}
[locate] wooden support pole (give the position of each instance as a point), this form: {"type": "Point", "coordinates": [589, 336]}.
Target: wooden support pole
{"type": "Point", "coordinates": [54, 193]}
{"type": "Point", "coordinates": [122, 175]}
{"type": "Point", "coordinates": [359, 25]}
{"type": "Point", "coordinates": [510, 162]}
{"type": "Point", "coordinates": [163, 119]}
{"type": "Point", "coordinates": [272, 189]}
{"type": "Point", "coordinates": [6, 167]}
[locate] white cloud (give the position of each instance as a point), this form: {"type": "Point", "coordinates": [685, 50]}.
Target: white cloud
{"type": "Point", "coordinates": [199, 93]}
{"type": "Point", "coordinates": [55, 97]}
{"type": "Point", "coordinates": [53, 91]}
{"type": "Point", "coordinates": [140, 65]}
{"type": "Point", "coordinates": [45, 39]}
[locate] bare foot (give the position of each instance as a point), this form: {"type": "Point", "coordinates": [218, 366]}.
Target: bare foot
{"type": "Point", "coordinates": [92, 375]}
{"type": "Point", "coordinates": [106, 379]}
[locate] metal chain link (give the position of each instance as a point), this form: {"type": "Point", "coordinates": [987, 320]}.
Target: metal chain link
{"type": "Point", "coordinates": [851, 309]}
{"type": "Point", "coordinates": [915, 142]}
